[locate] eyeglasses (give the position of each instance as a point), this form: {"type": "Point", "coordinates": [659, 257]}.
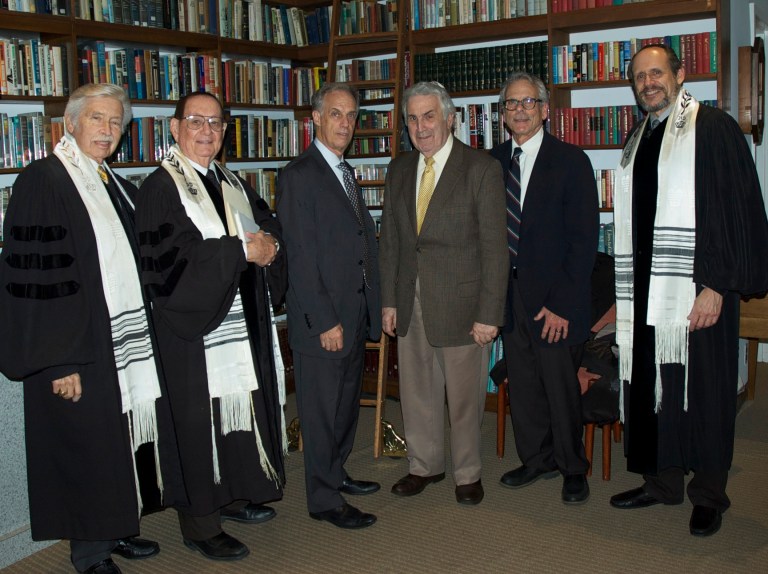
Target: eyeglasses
{"type": "Point", "coordinates": [196, 122]}
{"type": "Point", "coordinates": [527, 103]}
{"type": "Point", "coordinates": [654, 74]}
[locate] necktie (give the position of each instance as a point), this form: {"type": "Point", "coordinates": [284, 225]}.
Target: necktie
{"type": "Point", "coordinates": [514, 208]}
{"type": "Point", "coordinates": [210, 175]}
{"type": "Point", "coordinates": [353, 193]}
{"type": "Point", "coordinates": [426, 189]}
{"type": "Point", "coordinates": [103, 174]}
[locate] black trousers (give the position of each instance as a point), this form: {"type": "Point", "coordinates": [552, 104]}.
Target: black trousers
{"type": "Point", "coordinates": [328, 400]}
{"type": "Point", "coordinates": [706, 488]}
{"type": "Point", "coordinates": [201, 528]}
{"type": "Point", "coordinates": [544, 397]}
{"type": "Point", "coordinates": [86, 553]}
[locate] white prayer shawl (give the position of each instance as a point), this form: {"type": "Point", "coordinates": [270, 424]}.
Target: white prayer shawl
{"type": "Point", "coordinates": [672, 290]}
{"type": "Point", "coordinates": [229, 363]}
{"type": "Point", "coordinates": [132, 346]}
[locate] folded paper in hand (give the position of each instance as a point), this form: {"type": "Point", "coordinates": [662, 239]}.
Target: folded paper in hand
{"type": "Point", "coordinates": [239, 214]}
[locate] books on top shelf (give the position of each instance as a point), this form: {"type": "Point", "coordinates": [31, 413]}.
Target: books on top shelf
{"type": "Point", "coordinates": [33, 68]}
{"type": "Point", "coordinates": [56, 7]}
{"type": "Point", "coordinates": [274, 23]}
{"type": "Point", "coordinates": [367, 17]}
{"type": "Point", "coordinates": [559, 6]}
{"type": "Point", "coordinates": [199, 16]}
{"type": "Point", "coordinates": [427, 14]}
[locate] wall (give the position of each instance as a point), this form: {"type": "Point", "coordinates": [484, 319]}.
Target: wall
{"type": "Point", "coordinates": [15, 541]}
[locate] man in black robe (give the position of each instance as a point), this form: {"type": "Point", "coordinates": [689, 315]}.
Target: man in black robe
{"type": "Point", "coordinates": [70, 275]}
{"type": "Point", "coordinates": [211, 304]}
{"type": "Point", "coordinates": [680, 412]}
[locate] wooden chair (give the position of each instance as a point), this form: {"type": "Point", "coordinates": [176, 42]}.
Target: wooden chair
{"type": "Point", "coordinates": [753, 326]}
{"type": "Point", "coordinates": [502, 406]}
{"type": "Point", "coordinates": [381, 391]}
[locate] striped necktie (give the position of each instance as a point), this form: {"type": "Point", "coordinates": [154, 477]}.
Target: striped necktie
{"type": "Point", "coordinates": [355, 198]}
{"type": "Point", "coordinates": [514, 207]}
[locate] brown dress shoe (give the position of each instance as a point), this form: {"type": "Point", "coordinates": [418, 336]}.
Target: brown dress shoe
{"type": "Point", "coordinates": [470, 493]}
{"type": "Point", "coordinates": [412, 484]}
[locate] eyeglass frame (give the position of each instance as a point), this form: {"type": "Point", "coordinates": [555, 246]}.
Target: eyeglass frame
{"type": "Point", "coordinates": [206, 119]}
{"type": "Point", "coordinates": [526, 103]}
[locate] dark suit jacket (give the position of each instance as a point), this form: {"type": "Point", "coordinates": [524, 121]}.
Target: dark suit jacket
{"type": "Point", "coordinates": [558, 236]}
{"type": "Point", "coordinates": [325, 255]}
{"type": "Point", "coordinates": [460, 257]}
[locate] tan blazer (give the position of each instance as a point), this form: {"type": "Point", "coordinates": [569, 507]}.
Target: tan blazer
{"type": "Point", "coordinates": [460, 257]}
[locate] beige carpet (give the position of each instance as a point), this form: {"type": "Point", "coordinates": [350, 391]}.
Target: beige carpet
{"type": "Point", "coordinates": [526, 530]}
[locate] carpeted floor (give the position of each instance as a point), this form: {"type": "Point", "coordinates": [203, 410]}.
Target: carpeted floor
{"type": "Point", "coordinates": [527, 530]}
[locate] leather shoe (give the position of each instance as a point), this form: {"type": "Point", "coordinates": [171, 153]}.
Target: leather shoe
{"type": "Point", "coordinates": [345, 516]}
{"type": "Point", "coordinates": [705, 521]}
{"type": "Point", "coordinates": [412, 484]}
{"type": "Point", "coordinates": [575, 489]}
{"type": "Point", "coordinates": [524, 475]}
{"type": "Point", "coordinates": [136, 548]}
{"type": "Point", "coordinates": [220, 547]}
{"type": "Point", "coordinates": [355, 487]}
{"type": "Point", "coordinates": [635, 498]}
{"type": "Point", "coordinates": [470, 493]}
{"type": "Point", "coordinates": [250, 514]}
{"type": "Point", "coordinates": [104, 567]}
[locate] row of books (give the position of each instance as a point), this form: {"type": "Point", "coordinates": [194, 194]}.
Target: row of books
{"type": "Point", "coordinates": [605, 238]}
{"type": "Point", "coordinates": [26, 137]}
{"type": "Point", "coordinates": [427, 14]}
{"type": "Point", "coordinates": [57, 7]}
{"type": "Point", "coordinates": [362, 146]}
{"type": "Point", "coordinates": [32, 68]}
{"type": "Point", "coordinates": [198, 16]}
{"type": "Point", "coordinates": [608, 125]}
{"type": "Point", "coordinates": [605, 179]}
{"type": "Point", "coordinates": [367, 17]}
{"type": "Point", "coordinates": [605, 61]}
{"type": "Point", "coordinates": [275, 24]}
{"type": "Point", "coordinates": [5, 196]}
{"type": "Point", "coordinates": [559, 6]}
{"type": "Point", "coordinates": [147, 74]}
{"type": "Point", "coordinates": [263, 181]}
{"type": "Point", "coordinates": [357, 70]}
{"type": "Point", "coordinates": [481, 68]}
{"type": "Point", "coordinates": [261, 137]}
{"type": "Point", "coordinates": [248, 82]}
{"type": "Point", "coordinates": [375, 119]}
{"type": "Point", "coordinates": [146, 140]}
{"type": "Point", "coordinates": [373, 196]}
{"type": "Point", "coordinates": [480, 125]}
{"type": "Point", "coordinates": [370, 172]}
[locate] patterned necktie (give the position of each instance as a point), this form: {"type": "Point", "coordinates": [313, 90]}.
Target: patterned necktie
{"type": "Point", "coordinates": [514, 208]}
{"type": "Point", "coordinates": [103, 174]}
{"type": "Point", "coordinates": [426, 189]}
{"type": "Point", "coordinates": [210, 175]}
{"type": "Point", "coordinates": [353, 193]}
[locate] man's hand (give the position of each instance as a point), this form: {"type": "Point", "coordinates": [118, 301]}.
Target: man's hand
{"type": "Point", "coordinates": [68, 388]}
{"type": "Point", "coordinates": [262, 248]}
{"type": "Point", "coordinates": [706, 310]}
{"type": "Point", "coordinates": [389, 320]}
{"type": "Point", "coordinates": [483, 334]}
{"type": "Point", "coordinates": [555, 327]}
{"type": "Point", "coordinates": [333, 339]}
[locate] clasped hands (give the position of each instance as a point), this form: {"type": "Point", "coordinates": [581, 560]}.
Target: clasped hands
{"type": "Point", "coordinates": [261, 248]}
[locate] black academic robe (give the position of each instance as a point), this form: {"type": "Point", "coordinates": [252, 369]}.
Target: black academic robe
{"type": "Point", "coordinates": [192, 283]}
{"type": "Point", "coordinates": [55, 322]}
{"type": "Point", "coordinates": [730, 257]}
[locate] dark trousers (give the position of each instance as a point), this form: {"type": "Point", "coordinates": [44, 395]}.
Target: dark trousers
{"type": "Point", "coordinates": [704, 489]}
{"type": "Point", "coordinates": [544, 397]}
{"type": "Point", "coordinates": [86, 553]}
{"type": "Point", "coordinates": [328, 401]}
{"type": "Point", "coordinates": [201, 528]}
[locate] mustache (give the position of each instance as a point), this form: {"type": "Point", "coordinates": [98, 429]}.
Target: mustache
{"type": "Point", "coordinates": [104, 139]}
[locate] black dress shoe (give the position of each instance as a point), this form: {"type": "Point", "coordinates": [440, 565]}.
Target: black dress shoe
{"type": "Point", "coordinates": [345, 516]}
{"type": "Point", "coordinates": [136, 548]}
{"type": "Point", "coordinates": [250, 514]}
{"type": "Point", "coordinates": [356, 487]}
{"type": "Point", "coordinates": [635, 498]}
{"type": "Point", "coordinates": [575, 489]}
{"type": "Point", "coordinates": [470, 493]}
{"type": "Point", "coordinates": [104, 567]}
{"type": "Point", "coordinates": [705, 521]}
{"type": "Point", "coordinates": [524, 475]}
{"type": "Point", "coordinates": [220, 547]}
{"type": "Point", "coordinates": [412, 484]}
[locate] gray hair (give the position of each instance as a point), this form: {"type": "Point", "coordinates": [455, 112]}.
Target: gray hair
{"type": "Point", "coordinates": [80, 96]}
{"type": "Point", "coordinates": [318, 98]}
{"type": "Point", "coordinates": [534, 80]}
{"type": "Point", "coordinates": [430, 89]}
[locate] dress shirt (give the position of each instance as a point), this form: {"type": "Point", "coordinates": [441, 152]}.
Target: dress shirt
{"type": "Point", "coordinates": [527, 161]}
{"type": "Point", "coordinates": [441, 158]}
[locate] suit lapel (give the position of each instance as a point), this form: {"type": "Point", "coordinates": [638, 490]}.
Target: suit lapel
{"type": "Point", "coordinates": [452, 171]}
{"type": "Point", "coordinates": [537, 187]}
{"type": "Point", "coordinates": [409, 186]}
{"type": "Point", "coordinates": [332, 182]}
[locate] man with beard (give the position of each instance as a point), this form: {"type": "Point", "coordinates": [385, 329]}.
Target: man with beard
{"type": "Point", "coordinates": [691, 236]}
{"type": "Point", "coordinates": [211, 295]}
{"type": "Point", "coordinates": [75, 329]}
